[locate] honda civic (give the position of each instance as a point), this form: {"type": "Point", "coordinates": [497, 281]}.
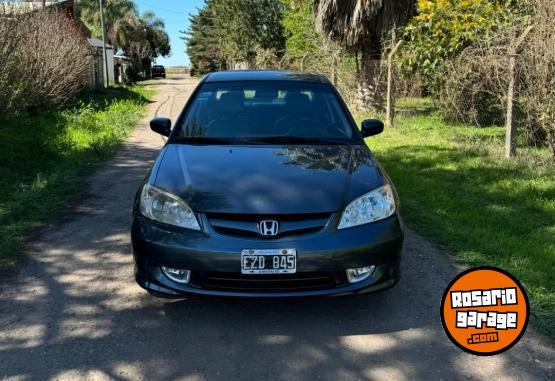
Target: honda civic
{"type": "Point", "coordinates": [266, 188]}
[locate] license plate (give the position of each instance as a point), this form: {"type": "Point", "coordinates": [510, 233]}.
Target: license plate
{"type": "Point", "coordinates": [272, 261]}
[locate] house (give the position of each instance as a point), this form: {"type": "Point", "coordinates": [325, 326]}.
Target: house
{"type": "Point", "coordinates": [120, 67]}
{"type": "Point", "coordinates": [96, 68]}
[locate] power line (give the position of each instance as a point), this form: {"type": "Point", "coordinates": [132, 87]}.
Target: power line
{"type": "Point", "coordinates": [161, 8]}
{"type": "Point", "coordinates": [206, 16]}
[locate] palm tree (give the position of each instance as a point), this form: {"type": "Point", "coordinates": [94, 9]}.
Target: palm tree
{"type": "Point", "coordinates": [119, 17]}
{"type": "Point", "coordinates": [141, 37]}
{"type": "Point", "coordinates": [156, 35]}
{"type": "Point", "coordinates": [146, 40]}
{"type": "Point", "coordinates": [360, 25]}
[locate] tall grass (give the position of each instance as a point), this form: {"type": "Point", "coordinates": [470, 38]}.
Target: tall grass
{"type": "Point", "coordinates": [45, 156]}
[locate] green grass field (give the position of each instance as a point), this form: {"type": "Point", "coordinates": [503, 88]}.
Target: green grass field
{"type": "Point", "coordinates": [45, 156]}
{"type": "Point", "coordinates": [456, 189]}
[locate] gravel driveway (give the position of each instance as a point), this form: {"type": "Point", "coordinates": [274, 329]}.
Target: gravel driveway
{"type": "Point", "coordinates": [73, 311]}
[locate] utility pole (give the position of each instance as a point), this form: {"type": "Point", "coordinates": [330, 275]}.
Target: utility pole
{"type": "Point", "coordinates": [106, 77]}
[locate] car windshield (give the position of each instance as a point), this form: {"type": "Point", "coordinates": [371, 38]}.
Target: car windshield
{"type": "Point", "coordinates": [266, 112]}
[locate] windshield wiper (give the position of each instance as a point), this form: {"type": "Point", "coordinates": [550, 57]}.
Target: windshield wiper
{"type": "Point", "coordinates": [259, 140]}
{"type": "Point", "coordinates": [295, 140]}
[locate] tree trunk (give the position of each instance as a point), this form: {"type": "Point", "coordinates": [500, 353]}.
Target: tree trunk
{"type": "Point", "coordinates": [370, 86]}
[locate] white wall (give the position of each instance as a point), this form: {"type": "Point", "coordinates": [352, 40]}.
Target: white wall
{"type": "Point", "coordinates": [111, 75]}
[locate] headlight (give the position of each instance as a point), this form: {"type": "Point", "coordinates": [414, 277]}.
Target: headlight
{"type": "Point", "coordinates": [164, 207]}
{"type": "Point", "coordinates": [373, 206]}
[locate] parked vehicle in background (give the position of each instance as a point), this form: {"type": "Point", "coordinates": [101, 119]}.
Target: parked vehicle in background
{"type": "Point", "coordinates": [158, 71]}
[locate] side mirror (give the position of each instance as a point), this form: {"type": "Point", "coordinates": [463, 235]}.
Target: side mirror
{"type": "Point", "coordinates": [371, 127]}
{"type": "Point", "coordinates": [163, 126]}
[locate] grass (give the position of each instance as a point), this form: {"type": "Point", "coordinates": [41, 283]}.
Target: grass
{"type": "Point", "coordinates": [456, 189]}
{"type": "Point", "coordinates": [44, 157]}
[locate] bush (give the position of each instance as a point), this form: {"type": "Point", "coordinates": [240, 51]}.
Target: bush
{"type": "Point", "coordinates": [466, 62]}
{"type": "Point", "coordinates": [471, 90]}
{"type": "Point", "coordinates": [536, 80]}
{"type": "Point", "coordinates": [8, 76]}
{"type": "Point", "coordinates": [474, 85]}
{"type": "Point", "coordinates": [443, 28]}
{"type": "Point", "coordinates": [44, 61]}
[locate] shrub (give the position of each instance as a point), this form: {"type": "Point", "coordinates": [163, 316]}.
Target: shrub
{"type": "Point", "coordinates": [44, 61]}
{"type": "Point", "coordinates": [474, 84]}
{"type": "Point", "coordinates": [536, 81]}
{"type": "Point", "coordinates": [443, 28]}
{"type": "Point", "coordinates": [9, 80]}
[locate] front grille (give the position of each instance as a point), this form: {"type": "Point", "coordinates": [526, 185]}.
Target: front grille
{"type": "Point", "coordinates": [220, 281]}
{"type": "Point", "coordinates": [246, 225]}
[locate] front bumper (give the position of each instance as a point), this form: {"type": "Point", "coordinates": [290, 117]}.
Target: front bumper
{"type": "Point", "coordinates": [327, 253]}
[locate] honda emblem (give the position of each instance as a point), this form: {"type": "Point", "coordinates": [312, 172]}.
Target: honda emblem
{"type": "Point", "coordinates": [268, 228]}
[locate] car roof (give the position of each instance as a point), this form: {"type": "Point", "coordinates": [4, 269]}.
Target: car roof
{"type": "Point", "coordinates": [263, 75]}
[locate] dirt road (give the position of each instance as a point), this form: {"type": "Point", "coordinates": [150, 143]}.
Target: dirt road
{"type": "Point", "coordinates": [74, 312]}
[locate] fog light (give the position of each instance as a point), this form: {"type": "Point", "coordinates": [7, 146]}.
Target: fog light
{"type": "Point", "coordinates": [177, 275]}
{"type": "Point", "coordinates": [359, 274]}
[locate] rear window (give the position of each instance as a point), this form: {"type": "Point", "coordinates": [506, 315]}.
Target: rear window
{"type": "Point", "coordinates": [266, 109]}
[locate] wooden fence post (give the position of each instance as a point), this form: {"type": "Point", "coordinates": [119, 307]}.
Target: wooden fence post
{"type": "Point", "coordinates": [302, 61]}
{"type": "Point", "coordinates": [510, 138]}
{"type": "Point", "coordinates": [390, 106]}
{"type": "Point", "coordinates": [334, 68]}
{"type": "Point", "coordinates": [510, 130]}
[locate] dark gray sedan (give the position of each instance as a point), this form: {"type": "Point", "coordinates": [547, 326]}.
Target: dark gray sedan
{"type": "Point", "coordinates": [266, 188]}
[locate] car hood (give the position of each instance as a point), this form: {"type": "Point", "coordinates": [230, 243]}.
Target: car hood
{"type": "Point", "coordinates": [266, 179]}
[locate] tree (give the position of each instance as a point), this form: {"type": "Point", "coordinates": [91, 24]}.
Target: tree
{"type": "Point", "coordinates": [244, 26]}
{"type": "Point", "coordinates": [141, 37]}
{"type": "Point", "coordinates": [202, 42]}
{"type": "Point", "coordinates": [119, 17]}
{"type": "Point", "coordinates": [443, 28]}
{"type": "Point", "coordinates": [146, 41]}
{"type": "Point", "coordinates": [300, 30]}
{"type": "Point", "coordinates": [360, 25]}
{"type": "Point", "coordinates": [227, 32]}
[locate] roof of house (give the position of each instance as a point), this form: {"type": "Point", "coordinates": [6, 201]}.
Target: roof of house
{"type": "Point", "coordinates": [264, 75]}
{"type": "Point", "coordinates": [98, 43]}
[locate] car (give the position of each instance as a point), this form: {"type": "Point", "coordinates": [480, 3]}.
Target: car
{"type": "Point", "coordinates": [158, 71]}
{"type": "Point", "coordinates": [266, 188]}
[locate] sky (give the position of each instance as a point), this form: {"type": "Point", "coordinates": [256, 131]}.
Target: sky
{"type": "Point", "coordinates": [175, 14]}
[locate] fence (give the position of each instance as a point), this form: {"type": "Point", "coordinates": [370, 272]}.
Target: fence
{"type": "Point", "coordinates": [507, 79]}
